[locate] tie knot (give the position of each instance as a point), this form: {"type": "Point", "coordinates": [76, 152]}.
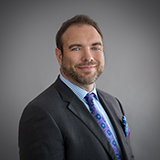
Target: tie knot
{"type": "Point", "coordinates": [89, 98]}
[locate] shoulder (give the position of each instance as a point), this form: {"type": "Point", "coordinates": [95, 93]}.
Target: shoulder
{"type": "Point", "coordinates": [46, 99]}
{"type": "Point", "coordinates": [53, 99]}
{"type": "Point", "coordinates": [110, 100]}
{"type": "Point", "coordinates": [106, 95]}
{"type": "Point", "coordinates": [52, 94]}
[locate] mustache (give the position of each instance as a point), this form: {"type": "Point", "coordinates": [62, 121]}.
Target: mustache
{"type": "Point", "coordinates": [86, 64]}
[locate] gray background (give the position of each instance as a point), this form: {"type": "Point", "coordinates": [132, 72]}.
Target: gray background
{"type": "Point", "coordinates": [28, 64]}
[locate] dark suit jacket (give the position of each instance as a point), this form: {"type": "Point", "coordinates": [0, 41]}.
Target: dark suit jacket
{"type": "Point", "coordinates": [57, 126]}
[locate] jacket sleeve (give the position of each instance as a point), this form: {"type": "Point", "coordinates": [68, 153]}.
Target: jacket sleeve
{"type": "Point", "coordinates": [39, 136]}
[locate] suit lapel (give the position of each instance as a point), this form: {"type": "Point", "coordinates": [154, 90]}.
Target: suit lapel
{"type": "Point", "coordinates": [77, 107]}
{"type": "Point", "coordinates": [80, 110]}
{"type": "Point", "coordinates": [116, 122]}
{"type": "Point", "coordinates": [110, 110]}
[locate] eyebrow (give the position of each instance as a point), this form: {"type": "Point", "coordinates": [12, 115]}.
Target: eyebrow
{"type": "Point", "coordinates": [97, 44]}
{"type": "Point", "coordinates": [80, 45]}
{"type": "Point", "coordinates": [75, 45]}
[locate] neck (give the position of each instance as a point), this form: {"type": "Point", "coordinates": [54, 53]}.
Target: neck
{"type": "Point", "coordinates": [87, 87]}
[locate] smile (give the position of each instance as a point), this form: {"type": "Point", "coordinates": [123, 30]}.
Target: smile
{"type": "Point", "coordinates": [87, 67]}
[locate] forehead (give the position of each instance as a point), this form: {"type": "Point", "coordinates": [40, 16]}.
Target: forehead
{"type": "Point", "coordinates": [81, 33]}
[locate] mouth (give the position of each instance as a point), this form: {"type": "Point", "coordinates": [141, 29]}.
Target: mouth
{"type": "Point", "coordinates": [87, 68]}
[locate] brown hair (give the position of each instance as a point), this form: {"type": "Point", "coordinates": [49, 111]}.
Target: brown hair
{"type": "Point", "coordinates": [78, 19]}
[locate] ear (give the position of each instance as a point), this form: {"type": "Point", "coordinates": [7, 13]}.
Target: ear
{"type": "Point", "coordinates": [59, 56]}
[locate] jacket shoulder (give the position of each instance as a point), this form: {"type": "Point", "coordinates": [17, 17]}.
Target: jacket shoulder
{"type": "Point", "coordinates": [110, 100]}
{"type": "Point", "coordinates": [49, 95]}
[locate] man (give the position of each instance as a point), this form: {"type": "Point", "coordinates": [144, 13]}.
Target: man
{"type": "Point", "coordinates": [60, 123]}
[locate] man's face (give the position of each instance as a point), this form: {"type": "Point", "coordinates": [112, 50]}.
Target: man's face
{"type": "Point", "coordinates": [82, 61]}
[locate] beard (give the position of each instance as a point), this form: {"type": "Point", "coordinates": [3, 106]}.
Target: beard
{"type": "Point", "coordinates": [85, 77]}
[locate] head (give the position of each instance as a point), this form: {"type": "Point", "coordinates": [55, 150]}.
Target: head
{"type": "Point", "coordinates": [80, 51]}
{"type": "Point", "coordinates": [78, 19]}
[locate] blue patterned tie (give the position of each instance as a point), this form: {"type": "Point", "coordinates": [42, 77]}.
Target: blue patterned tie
{"type": "Point", "coordinates": [101, 122]}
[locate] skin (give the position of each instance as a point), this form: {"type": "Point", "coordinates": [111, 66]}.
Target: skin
{"type": "Point", "coordinates": [82, 61]}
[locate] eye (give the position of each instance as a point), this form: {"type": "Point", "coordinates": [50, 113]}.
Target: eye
{"type": "Point", "coordinates": [75, 49]}
{"type": "Point", "coordinates": [95, 48]}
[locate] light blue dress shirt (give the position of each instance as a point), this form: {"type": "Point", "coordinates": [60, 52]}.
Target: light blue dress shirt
{"type": "Point", "coordinates": [81, 93]}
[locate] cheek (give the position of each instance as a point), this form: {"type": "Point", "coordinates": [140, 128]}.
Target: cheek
{"type": "Point", "coordinates": [68, 61]}
{"type": "Point", "coordinates": [103, 60]}
{"type": "Point", "coordinates": [100, 58]}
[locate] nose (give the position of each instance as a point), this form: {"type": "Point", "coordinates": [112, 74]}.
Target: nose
{"type": "Point", "coordinates": [87, 55]}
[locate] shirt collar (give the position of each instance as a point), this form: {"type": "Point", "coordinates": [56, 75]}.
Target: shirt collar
{"type": "Point", "coordinates": [80, 92]}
